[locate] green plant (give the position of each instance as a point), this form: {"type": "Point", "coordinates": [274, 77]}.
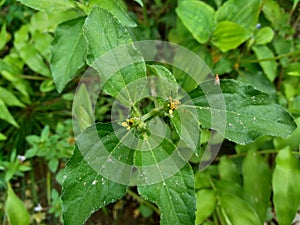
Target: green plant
{"type": "Point", "coordinates": [98, 29]}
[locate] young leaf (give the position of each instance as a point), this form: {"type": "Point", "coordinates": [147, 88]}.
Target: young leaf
{"type": "Point", "coordinates": [6, 115]}
{"type": "Point", "coordinates": [257, 182]}
{"type": "Point", "coordinates": [69, 50]}
{"type": "Point", "coordinates": [238, 11]}
{"type": "Point", "coordinates": [206, 204]}
{"type": "Point", "coordinates": [49, 5]}
{"type": "Point", "coordinates": [229, 35]}
{"type": "Point", "coordinates": [9, 99]}
{"type": "Point", "coordinates": [264, 35]}
{"type": "Point", "coordinates": [228, 170]}
{"type": "Point", "coordinates": [119, 66]}
{"type": "Point", "coordinates": [249, 112]}
{"type": "Point", "coordinates": [237, 211]}
{"type": "Point", "coordinates": [286, 183]}
{"type": "Point", "coordinates": [175, 197]}
{"type": "Point", "coordinates": [85, 189]}
{"type": "Point", "coordinates": [269, 67]}
{"type": "Point", "coordinates": [15, 209]}
{"type": "Point", "coordinates": [197, 17]}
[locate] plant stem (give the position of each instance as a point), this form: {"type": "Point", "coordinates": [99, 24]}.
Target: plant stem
{"type": "Point", "coordinates": [152, 113]}
{"type": "Point", "coordinates": [271, 59]}
{"type": "Point", "coordinates": [49, 187]}
{"type": "Point", "coordinates": [143, 201]}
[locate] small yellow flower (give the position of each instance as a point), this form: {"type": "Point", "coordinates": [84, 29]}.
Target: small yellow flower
{"type": "Point", "coordinates": [128, 123]}
{"type": "Point", "coordinates": [173, 105]}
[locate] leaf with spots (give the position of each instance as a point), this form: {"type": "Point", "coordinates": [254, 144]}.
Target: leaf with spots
{"type": "Point", "coordinates": [175, 197]}
{"type": "Point", "coordinates": [85, 189]}
{"type": "Point", "coordinates": [248, 113]}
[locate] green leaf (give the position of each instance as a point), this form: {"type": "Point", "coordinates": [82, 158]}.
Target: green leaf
{"type": "Point", "coordinates": [197, 17]}
{"type": "Point", "coordinates": [249, 112]}
{"type": "Point", "coordinates": [85, 190]}
{"type": "Point", "coordinates": [206, 204]}
{"type": "Point", "coordinates": [237, 211]}
{"type": "Point", "coordinates": [2, 137]}
{"type": "Point", "coordinates": [15, 209]}
{"type": "Point", "coordinates": [28, 53]}
{"type": "Point", "coordinates": [82, 108]}
{"type": "Point", "coordinates": [269, 67]}
{"type": "Point", "coordinates": [243, 13]}
{"type": "Point", "coordinates": [264, 35]}
{"type": "Point", "coordinates": [117, 9]}
{"type": "Point", "coordinates": [293, 69]}
{"type": "Point", "coordinates": [228, 170]}
{"type": "Point", "coordinates": [104, 33]}
{"type": "Point", "coordinates": [257, 182]}
{"type": "Point", "coordinates": [140, 2]}
{"type": "Point", "coordinates": [3, 36]}
{"type": "Point", "coordinates": [229, 35]}
{"type": "Point", "coordinates": [49, 5]}
{"type": "Point", "coordinates": [68, 50]}
{"type": "Point", "coordinates": [5, 114]}
{"type": "Point", "coordinates": [286, 183]}
{"type": "Point", "coordinates": [175, 197]}
{"type": "Point", "coordinates": [9, 98]}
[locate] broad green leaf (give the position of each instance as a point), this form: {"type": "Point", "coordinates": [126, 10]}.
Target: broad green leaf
{"type": "Point", "coordinates": [28, 53]}
{"type": "Point", "coordinates": [249, 112]}
{"type": "Point", "coordinates": [269, 67]}
{"type": "Point", "coordinates": [229, 35]}
{"type": "Point", "coordinates": [47, 22]}
{"type": "Point", "coordinates": [15, 209]}
{"type": "Point", "coordinates": [275, 14]}
{"type": "Point", "coordinates": [82, 108]}
{"type": "Point", "coordinates": [283, 46]}
{"type": "Point", "coordinates": [9, 98]}
{"type": "Point", "coordinates": [85, 190]}
{"type": "Point", "coordinates": [229, 187]}
{"type": "Point", "coordinates": [49, 5]}
{"type": "Point", "coordinates": [264, 35]}
{"type": "Point", "coordinates": [68, 50]}
{"type": "Point", "coordinates": [116, 8]}
{"type": "Point", "coordinates": [5, 114]}
{"type": "Point", "coordinates": [206, 204]}
{"type": "Point", "coordinates": [236, 211]}
{"type": "Point", "coordinates": [174, 196]}
{"type": "Point", "coordinates": [140, 2]}
{"type": "Point", "coordinates": [197, 17]}
{"type": "Point", "coordinates": [2, 137]}
{"type": "Point", "coordinates": [42, 43]}
{"type": "Point", "coordinates": [3, 36]}
{"type": "Point", "coordinates": [228, 170]}
{"type": "Point", "coordinates": [238, 11]}
{"type": "Point", "coordinates": [119, 67]}
{"type": "Point", "coordinates": [257, 182]}
{"type": "Point", "coordinates": [258, 80]}
{"type": "Point", "coordinates": [293, 69]}
{"type": "Point", "coordinates": [286, 183]}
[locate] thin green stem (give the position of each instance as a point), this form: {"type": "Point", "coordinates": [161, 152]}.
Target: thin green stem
{"type": "Point", "coordinates": [33, 190]}
{"type": "Point", "coordinates": [270, 59]}
{"type": "Point", "coordinates": [152, 113]}
{"type": "Point", "coordinates": [49, 187]}
{"type": "Point", "coordinates": [31, 77]}
{"type": "Point", "coordinates": [143, 201]}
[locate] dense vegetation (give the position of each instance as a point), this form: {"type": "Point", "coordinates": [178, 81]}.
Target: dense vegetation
{"type": "Point", "coordinates": [88, 103]}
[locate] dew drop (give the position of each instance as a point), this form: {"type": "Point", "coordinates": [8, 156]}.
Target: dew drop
{"type": "Point", "coordinates": [84, 183]}
{"type": "Point", "coordinates": [164, 184]}
{"type": "Point", "coordinates": [102, 180]}
{"type": "Point", "coordinates": [230, 124]}
{"type": "Point", "coordinates": [94, 182]}
{"type": "Point", "coordinates": [254, 118]}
